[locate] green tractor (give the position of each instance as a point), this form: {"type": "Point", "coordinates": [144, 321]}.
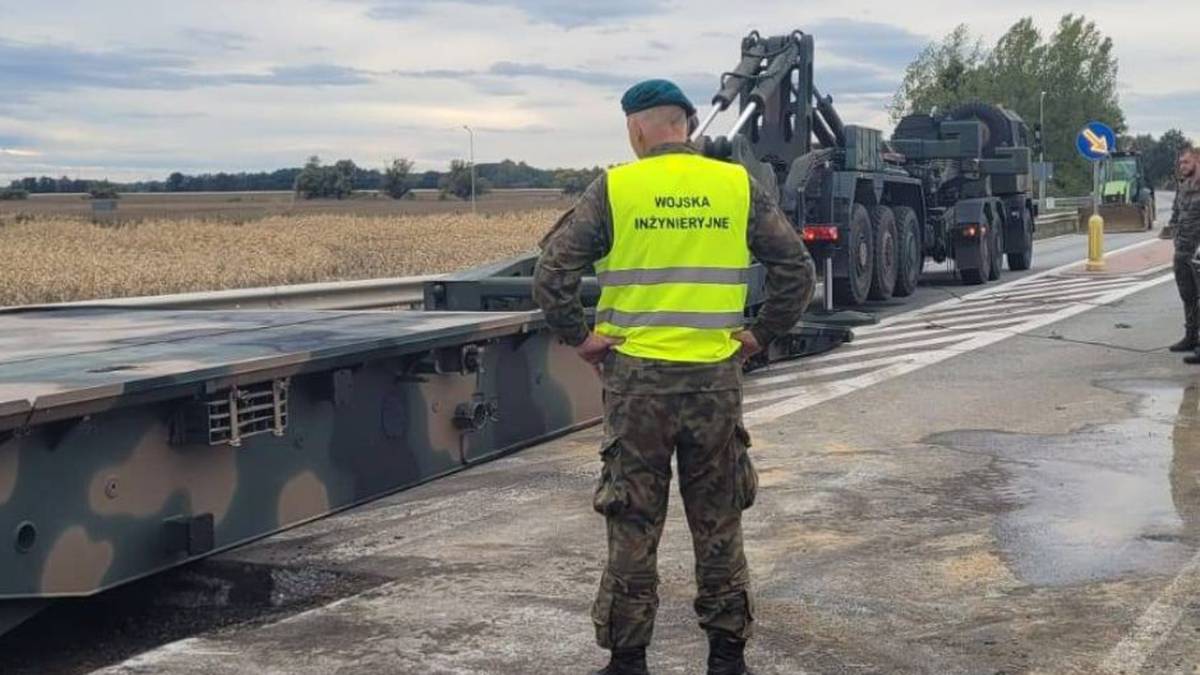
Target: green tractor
{"type": "Point", "coordinates": [1126, 197]}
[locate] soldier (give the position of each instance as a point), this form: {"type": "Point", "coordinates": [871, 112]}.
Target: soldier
{"type": "Point", "coordinates": [671, 237]}
{"type": "Point", "coordinates": [1185, 219]}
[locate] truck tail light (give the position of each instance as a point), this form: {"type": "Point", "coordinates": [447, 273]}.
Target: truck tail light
{"type": "Point", "coordinates": [820, 233]}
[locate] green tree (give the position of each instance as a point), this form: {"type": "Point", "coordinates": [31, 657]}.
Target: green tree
{"type": "Point", "coordinates": [103, 189]}
{"type": "Point", "coordinates": [174, 182]}
{"type": "Point", "coordinates": [457, 181]}
{"type": "Point", "coordinates": [1162, 159]}
{"type": "Point", "coordinates": [396, 182]}
{"type": "Point", "coordinates": [308, 181]}
{"type": "Point", "coordinates": [1075, 66]}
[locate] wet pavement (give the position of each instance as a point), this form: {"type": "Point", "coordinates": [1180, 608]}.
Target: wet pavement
{"type": "Point", "coordinates": [1032, 506]}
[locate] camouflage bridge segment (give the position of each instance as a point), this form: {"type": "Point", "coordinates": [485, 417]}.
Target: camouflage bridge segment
{"type": "Point", "coordinates": [134, 441]}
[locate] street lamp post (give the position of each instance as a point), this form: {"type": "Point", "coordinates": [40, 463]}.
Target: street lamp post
{"type": "Point", "coordinates": [471, 134]}
{"type": "Point", "coordinates": [1042, 151]}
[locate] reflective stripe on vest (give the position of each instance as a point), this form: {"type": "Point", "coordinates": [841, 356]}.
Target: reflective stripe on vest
{"type": "Point", "coordinates": [673, 285]}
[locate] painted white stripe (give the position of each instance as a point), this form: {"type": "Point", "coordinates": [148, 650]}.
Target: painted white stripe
{"type": "Point", "coordinates": [994, 306]}
{"type": "Point", "coordinates": [1041, 296]}
{"type": "Point", "coordinates": [1155, 624]}
{"type": "Point", "coordinates": [1052, 290]}
{"type": "Point", "coordinates": [845, 353]}
{"type": "Point", "coordinates": [930, 324]}
{"type": "Point", "coordinates": [807, 397]}
{"type": "Point", "coordinates": [796, 372]}
{"type": "Point", "coordinates": [1059, 282]}
{"type": "Point", "coordinates": [935, 328]}
{"type": "Point", "coordinates": [955, 302]}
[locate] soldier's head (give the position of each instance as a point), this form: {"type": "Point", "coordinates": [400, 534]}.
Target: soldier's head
{"type": "Point", "coordinates": [1189, 162]}
{"type": "Point", "coordinates": [656, 112]}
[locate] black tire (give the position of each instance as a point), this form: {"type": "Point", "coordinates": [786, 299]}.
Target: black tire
{"type": "Point", "coordinates": [996, 248]}
{"type": "Point", "coordinates": [1019, 262]}
{"type": "Point", "coordinates": [910, 255]}
{"type": "Point", "coordinates": [998, 130]}
{"type": "Point", "coordinates": [860, 260]}
{"type": "Point", "coordinates": [883, 278]}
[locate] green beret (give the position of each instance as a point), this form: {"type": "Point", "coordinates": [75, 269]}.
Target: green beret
{"type": "Point", "coordinates": [653, 93]}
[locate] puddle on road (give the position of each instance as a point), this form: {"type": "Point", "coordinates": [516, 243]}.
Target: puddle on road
{"type": "Point", "coordinates": [1105, 501]}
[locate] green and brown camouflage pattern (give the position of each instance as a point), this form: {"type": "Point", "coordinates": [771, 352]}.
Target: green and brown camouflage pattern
{"type": "Point", "coordinates": [99, 486]}
{"type": "Point", "coordinates": [717, 481]}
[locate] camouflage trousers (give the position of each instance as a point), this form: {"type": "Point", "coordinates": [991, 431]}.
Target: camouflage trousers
{"type": "Point", "coordinates": [1189, 288]}
{"type": "Point", "coordinates": [717, 482]}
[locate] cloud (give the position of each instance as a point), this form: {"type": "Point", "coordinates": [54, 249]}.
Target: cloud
{"type": "Point", "coordinates": [223, 40]}
{"type": "Point", "coordinates": [563, 13]}
{"type": "Point", "coordinates": [870, 42]}
{"type": "Point", "coordinates": [497, 78]}
{"type": "Point", "coordinates": [27, 67]}
{"type": "Point", "coordinates": [317, 74]}
{"type": "Point", "coordinates": [1158, 112]}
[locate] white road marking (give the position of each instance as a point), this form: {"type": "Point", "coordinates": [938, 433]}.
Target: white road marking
{"type": "Point", "coordinates": [935, 327]}
{"type": "Point", "coordinates": [794, 399]}
{"type": "Point", "coordinates": [1156, 623]}
{"type": "Point", "coordinates": [761, 382]}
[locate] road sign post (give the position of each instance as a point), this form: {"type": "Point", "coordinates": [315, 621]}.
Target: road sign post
{"type": "Point", "coordinates": [1095, 142]}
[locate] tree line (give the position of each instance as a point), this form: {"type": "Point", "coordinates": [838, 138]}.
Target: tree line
{"type": "Point", "coordinates": [334, 181]}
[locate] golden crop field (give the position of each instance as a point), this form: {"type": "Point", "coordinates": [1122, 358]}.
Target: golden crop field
{"type": "Point", "coordinates": [47, 257]}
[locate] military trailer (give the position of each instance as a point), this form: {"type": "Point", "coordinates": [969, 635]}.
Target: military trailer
{"type": "Point", "coordinates": [974, 165]}
{"type": "Point", "coordinates": [133, 441]}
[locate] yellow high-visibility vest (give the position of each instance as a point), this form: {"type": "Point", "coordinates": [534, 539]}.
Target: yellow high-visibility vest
{"type": "Point", "coordinates": [674, 282]}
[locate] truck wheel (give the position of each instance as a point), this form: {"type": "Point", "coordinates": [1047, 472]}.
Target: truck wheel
{"type": "Point", "coordinates": [1019, 262]}
{"type": "Point", "coordinates": [909, 254]}
{"type": "Point", "coordinates": [883, 226]}
{"type": "Point", "coordinates": [996, 249]}
{"type": "Point", "coordinates": [860, 263]}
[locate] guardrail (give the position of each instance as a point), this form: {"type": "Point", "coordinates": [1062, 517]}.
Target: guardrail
{"type": "Point", "coordinates": [1067, 203]}
{"type": "Point", "coordinates": [345, 295]}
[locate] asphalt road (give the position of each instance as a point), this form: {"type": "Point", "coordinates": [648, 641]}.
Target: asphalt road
{"type": "Point", "coordinates": [1000, 479]}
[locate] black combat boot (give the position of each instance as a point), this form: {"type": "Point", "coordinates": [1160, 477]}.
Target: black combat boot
{"type": "Point", "coordinates": [1187, 344]}
{"type": "Point", "coordinates": [1193, 358]}
{"type": "Point", "coordinates": [726, 656]}
{"type": "Point", "coordinates": [626, 662]}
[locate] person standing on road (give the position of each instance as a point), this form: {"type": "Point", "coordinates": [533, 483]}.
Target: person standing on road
{"type": "Point", "coordinates": [1185, 219]}
{"type": "Point", "coordinates": [670, 237]}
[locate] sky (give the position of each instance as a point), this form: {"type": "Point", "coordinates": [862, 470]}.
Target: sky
{"type": "Point", "coordinates": [132, 90]}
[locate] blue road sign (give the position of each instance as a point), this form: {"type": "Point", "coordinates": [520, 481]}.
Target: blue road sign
{"type": "Point", "coordinates": [1096, 141]}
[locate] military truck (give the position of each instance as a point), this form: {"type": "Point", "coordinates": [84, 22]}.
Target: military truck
{"type": "Point", "coordinates": [974, 163]}
{"type": "Point", "coordinates": [954, 186]}
{"type": "Point", "coordinates": [1126, 198]}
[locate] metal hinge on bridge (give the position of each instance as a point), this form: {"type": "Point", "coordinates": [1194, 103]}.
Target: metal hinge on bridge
{"type": "Point", "coordinates": [231, 415]}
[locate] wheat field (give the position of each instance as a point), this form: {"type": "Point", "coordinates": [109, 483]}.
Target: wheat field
{"type": "Point", "coordinates": [52, 258]}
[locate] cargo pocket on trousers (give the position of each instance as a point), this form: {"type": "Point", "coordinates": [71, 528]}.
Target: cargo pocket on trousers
{"type": "Point", "coordinates": [746, 485]}
{"type": "Point", "coordinates": [612, 494]}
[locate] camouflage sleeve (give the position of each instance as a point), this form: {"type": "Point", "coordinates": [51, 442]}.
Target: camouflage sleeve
{"type": "Point", "coordinates": [790, 271]}
{"type": "Point", "coordinates": [579, 238]}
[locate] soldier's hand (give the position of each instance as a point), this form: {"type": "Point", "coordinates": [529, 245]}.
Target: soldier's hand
{"type": "Point", "coordinates": [596, 347]}
{"type": "Point", "coordinates": [750, 345]}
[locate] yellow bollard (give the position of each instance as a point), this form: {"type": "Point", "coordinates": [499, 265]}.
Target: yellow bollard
{"type": "Point", "coordinates": [1095, 261]}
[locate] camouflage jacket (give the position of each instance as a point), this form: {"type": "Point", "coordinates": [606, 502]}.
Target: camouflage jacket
{"type": "Point", "coordinates": [584, 234]}
{"type": "Point", "coordinates": [1185, 215]}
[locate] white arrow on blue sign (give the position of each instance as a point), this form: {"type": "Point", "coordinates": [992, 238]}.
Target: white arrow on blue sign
{"type": "Point", "coordinates": [1096, 141]}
